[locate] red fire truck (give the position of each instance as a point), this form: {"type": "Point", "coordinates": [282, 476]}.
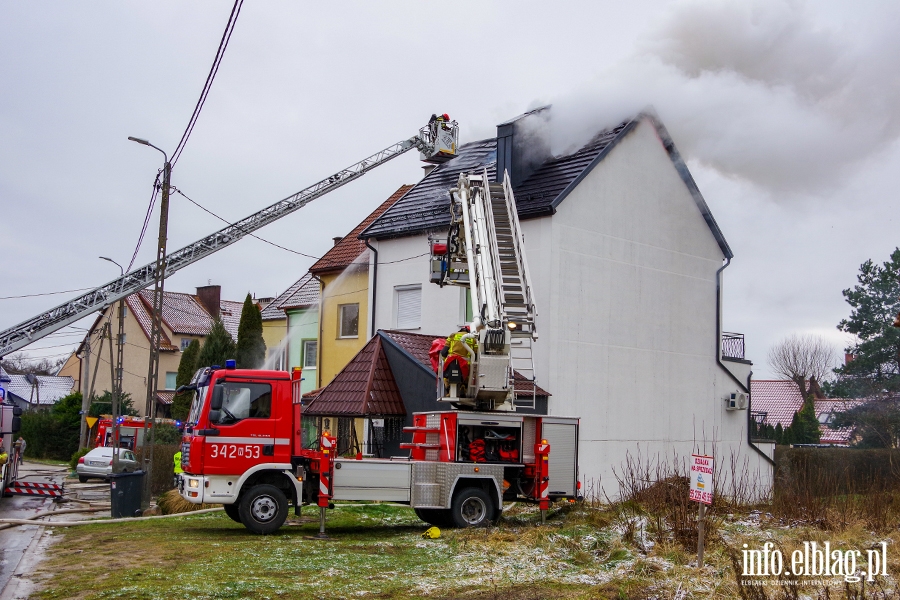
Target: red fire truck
{"type": "Point", "coordinates": [243, 448]}
{"type": "Point", "coordinates": [131, 432]}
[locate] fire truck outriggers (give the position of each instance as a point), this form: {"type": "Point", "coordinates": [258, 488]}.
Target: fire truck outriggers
{"type": "Point", "coordinates": [243, 445]}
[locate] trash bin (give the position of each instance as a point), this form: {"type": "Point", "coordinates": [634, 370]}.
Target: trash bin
{"type": "Point", "coordinates": [125, 491]}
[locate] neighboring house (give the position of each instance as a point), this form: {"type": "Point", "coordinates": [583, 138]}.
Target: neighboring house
{"type": "Point", "coordinates": [626, 262]}
{"type": "Point", "coordinates": [775, 401]}
{"type": "Point", "coordinates": [185, 317]}
{"type": "Point", "coordinates": [344, 316]}
{"type": "Point", "coordinates": [293, 322]}
{"type": "Point", "coordinates": [274, 328]}
{"type": "Point", "coordinates": [35, 392]}
{"type": "Point", "coordinates": [375, 395]}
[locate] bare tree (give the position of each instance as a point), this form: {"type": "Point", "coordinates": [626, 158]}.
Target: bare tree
{"type": "Point", "coordinates": [22, 364]}
{"type": "Point", "coordinates": [804, 359]}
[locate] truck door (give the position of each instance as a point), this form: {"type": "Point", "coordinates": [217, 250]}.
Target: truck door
{"type": "Point", "coordinates": [246, 428]}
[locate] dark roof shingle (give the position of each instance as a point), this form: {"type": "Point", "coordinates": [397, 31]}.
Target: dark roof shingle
{"type": "Point", "coordinates": [304, 292]}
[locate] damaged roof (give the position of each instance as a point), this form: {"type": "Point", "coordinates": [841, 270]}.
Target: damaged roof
{"type": "Point", "coordinates": [427, 206]}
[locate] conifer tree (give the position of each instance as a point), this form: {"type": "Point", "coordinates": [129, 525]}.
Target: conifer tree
{"type": "Point", "coordinates": [217, 347]}
{"type": "Point", "coordinates": [251, 349]}
{"type": "Point", "coordinates": [181, 403]}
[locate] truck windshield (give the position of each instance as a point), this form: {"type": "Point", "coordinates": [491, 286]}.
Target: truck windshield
{"type": "Point", "coordinates": [197, 404]}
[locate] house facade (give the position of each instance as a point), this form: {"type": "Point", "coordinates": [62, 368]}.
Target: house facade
{"type": "Point", "coordinates": [185, 317]}
{"type": "Point", "coordinates": [344, 300]}
{"type": "Point", "coordinates": [626, 265]}
{"type": "Point", "coordinates": [292, 320]}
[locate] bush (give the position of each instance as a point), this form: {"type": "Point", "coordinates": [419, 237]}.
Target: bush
{"type": "Point", "coordinates": [73, 462]}
{"type": "Point", "coordinates": [167, 434]}
{"type": "Point", "coordinates": [163, 466]}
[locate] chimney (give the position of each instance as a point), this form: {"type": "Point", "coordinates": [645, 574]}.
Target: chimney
{"type": "Point", "coordinates": [337, 240]}
{"type": "Point", "coordinates": [427, 169]}
{"type": "Point", "coordinates": [523, 145]}
{"type": "Point", "coordinates": [210, 296]}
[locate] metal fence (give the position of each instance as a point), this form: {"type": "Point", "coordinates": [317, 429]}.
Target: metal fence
{"type": "Point", "coordinates": [732, 345]}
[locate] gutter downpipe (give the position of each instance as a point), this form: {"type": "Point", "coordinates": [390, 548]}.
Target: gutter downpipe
{"type": "Point", "coordinates": [374, 285]}
{"type": "Point", "coordinates": [744, 387]}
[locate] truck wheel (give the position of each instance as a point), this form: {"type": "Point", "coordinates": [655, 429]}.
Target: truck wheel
{"type": "Point", "coordinates": [439, 517]}
{"type": "Point", "coordinates": [263, 509]}
{"type": "Point", "coordinates": [233, 511]}
{"type": "Point", "coordinates": [472, 507]}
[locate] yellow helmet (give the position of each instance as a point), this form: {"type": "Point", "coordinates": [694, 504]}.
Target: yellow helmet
{"type": "Point", "coordinates": [432, 533]}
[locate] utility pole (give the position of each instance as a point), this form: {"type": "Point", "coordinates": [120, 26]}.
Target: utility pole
{"type": "Point", "coordinates": [156, 330]}
{"type": "Point", "coordinates": [85, 391]}
{"type": "Point", "coordinates": [114, 397]}
{"type": "Point", "coordinates": [116, 379]}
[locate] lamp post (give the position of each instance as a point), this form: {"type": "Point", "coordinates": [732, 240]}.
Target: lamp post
{"type": "Point", "coordinates": [117, 381]}
{"type": "Point", "coordinates": [156, 330]}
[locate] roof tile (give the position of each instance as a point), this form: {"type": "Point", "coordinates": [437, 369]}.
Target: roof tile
{"type": "Point", "coordinates": [304, 292]}
{"type": "Point", "coordinates": [350, 247]}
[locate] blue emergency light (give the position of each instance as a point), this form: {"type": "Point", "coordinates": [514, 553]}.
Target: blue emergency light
{"type": "Point", "coordinates": [230, 364]}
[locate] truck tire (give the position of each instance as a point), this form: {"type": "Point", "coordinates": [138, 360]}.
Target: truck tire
{"type": "Point", "coordinates": [439, 517]}
{"type": "Point", "coordinates": [263, 509]}
{"type": "Point", "coordinates": [472, 507]}
{"type": "Point", "coordinates": [233, 511]}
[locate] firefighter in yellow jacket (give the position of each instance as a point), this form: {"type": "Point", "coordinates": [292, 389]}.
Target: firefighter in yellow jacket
{"type": "Point", "coordinates": [455, 351]}
{"type": "Point", "coordinates": [178, 469]}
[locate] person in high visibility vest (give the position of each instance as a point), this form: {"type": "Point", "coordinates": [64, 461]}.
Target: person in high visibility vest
{"type": "Point", "coordinates": [455, 351]}
{"type": "Point", "coordinates": [178, 469]}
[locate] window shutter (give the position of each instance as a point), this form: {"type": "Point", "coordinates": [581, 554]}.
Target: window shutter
{"type": "Point", "coordinates": [409, 308]}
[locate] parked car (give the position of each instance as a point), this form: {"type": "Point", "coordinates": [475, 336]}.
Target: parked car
{"type": "Point", "coordinates": [98, 463]}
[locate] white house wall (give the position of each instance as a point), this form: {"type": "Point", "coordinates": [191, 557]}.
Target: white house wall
{"type": "Point", "coordinates": [629, 337]}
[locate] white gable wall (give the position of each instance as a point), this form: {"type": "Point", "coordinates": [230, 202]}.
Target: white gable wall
{"type": "Point", "coordinates": [628, 337]}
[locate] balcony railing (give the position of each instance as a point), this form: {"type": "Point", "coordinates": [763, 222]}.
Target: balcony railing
{"type": "Point", "coordinates": [733, 345]}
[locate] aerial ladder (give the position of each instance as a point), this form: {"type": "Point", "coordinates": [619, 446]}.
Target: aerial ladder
{"type": "Point", "coordinates": [437, 142]}
{"type": "Point", "coordinates": [484, 251]}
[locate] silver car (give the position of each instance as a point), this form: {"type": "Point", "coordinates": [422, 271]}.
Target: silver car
{"type": "Point", "coordinates": [98, 463]}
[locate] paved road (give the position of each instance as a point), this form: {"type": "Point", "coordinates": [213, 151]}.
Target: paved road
{"type": "Point", "coordinates": [15, 542]}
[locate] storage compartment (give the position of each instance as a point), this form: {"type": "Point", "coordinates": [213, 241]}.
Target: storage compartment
{"type": "Point", "coordinates": [490, 443]}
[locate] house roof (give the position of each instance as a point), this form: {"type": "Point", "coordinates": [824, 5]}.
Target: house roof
{"type": "Point", "coordinates": [184, 314]}
{"type": "Point", "coordinates": [304, 292]}
{"type": "Point", "coordinates": [165, 397]}
{"type": "Point", "coordinates": [365, 387]}
{"type": "Point", "coordinates": [427, 206]}
{"type": "Point", "coordinates": [350, 247]}
{"type": "Point", "coordinates": [781, 399]}
{"type": "Point", "coordinates": [38, 389]}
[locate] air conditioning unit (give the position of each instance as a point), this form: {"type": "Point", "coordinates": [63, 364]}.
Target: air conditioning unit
{"type": "Point", "coordinates": [736, 401]}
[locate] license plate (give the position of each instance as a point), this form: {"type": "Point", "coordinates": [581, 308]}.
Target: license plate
{"type": "Point", "coordinates": [97, 463]}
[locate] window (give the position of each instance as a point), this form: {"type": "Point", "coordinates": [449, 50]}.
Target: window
{"type": "Point", "coordinates": [244, 401]}
{"type": "Point", "coordinates": [171, 377]}
{"type": "Point", "coordinates": [349, 320]}
{"type": "Point", "coordinates": [465, 306]}
{"type": "Point", "coordinates": [310, 348]}
{"type": "Point", "coordinates": [185, 342]}
{"type": "Point", "coordinates": [409, 307]}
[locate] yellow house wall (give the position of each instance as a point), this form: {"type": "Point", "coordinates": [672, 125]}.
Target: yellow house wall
{"type": "Point", "coordinates": [273, 333]}
{"type": "Point", "coordinates": [348, 287]}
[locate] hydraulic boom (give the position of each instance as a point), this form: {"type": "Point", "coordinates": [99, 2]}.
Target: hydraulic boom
{"type": "Point", "coordinates": [434, 144]}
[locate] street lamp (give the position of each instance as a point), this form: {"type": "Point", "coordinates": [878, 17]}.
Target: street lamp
{"type": "Point", "coordinates": [117, 380]}
{"type": "Point", "coordinates": [156, 331]}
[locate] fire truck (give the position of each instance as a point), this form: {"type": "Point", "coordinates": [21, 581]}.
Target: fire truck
{"type": "Point", "coordinates": [131, 431]}
{"type": "Point", "coordinates": [243, 445]}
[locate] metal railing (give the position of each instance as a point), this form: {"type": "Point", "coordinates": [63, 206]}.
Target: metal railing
{"type": "Point", "coordinates": [732, 345]}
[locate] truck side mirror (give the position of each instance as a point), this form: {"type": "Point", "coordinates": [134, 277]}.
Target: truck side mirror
{"type": "Point", "coordinates": [214, 416]}
{"type": "Point", "coordinates": [17, 411]}
{"type": "Point", "coordinates": [16, 424]}
{"type": "Point", "coordinates": [217, 400]}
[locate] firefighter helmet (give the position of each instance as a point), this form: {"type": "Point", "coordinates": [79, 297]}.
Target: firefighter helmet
{"type": "Point", "coordinates": [432, 533]}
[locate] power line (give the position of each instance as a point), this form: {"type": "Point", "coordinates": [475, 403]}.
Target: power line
{"type": "Point", "coordinates": [223, 44]}
{"type": "Point", "coordinates": [146, 222]}
{"type": "Point", "coordinates": [227, 222]}
{"type": "Point", "coordinates": [43, 294]}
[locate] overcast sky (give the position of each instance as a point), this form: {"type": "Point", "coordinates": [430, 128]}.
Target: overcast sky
{"type": "Point", "coordinates": [787, 112]}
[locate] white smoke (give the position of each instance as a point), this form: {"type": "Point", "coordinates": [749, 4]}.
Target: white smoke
{"type": "Point", "coordinates": [761, 90]}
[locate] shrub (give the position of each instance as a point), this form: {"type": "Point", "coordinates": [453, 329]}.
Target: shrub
{"type": "Point", "coordinates": [73, 462]}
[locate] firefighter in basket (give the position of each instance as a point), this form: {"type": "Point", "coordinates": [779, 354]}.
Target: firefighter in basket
{"type": "Point", "coordinates": [458, 351]}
